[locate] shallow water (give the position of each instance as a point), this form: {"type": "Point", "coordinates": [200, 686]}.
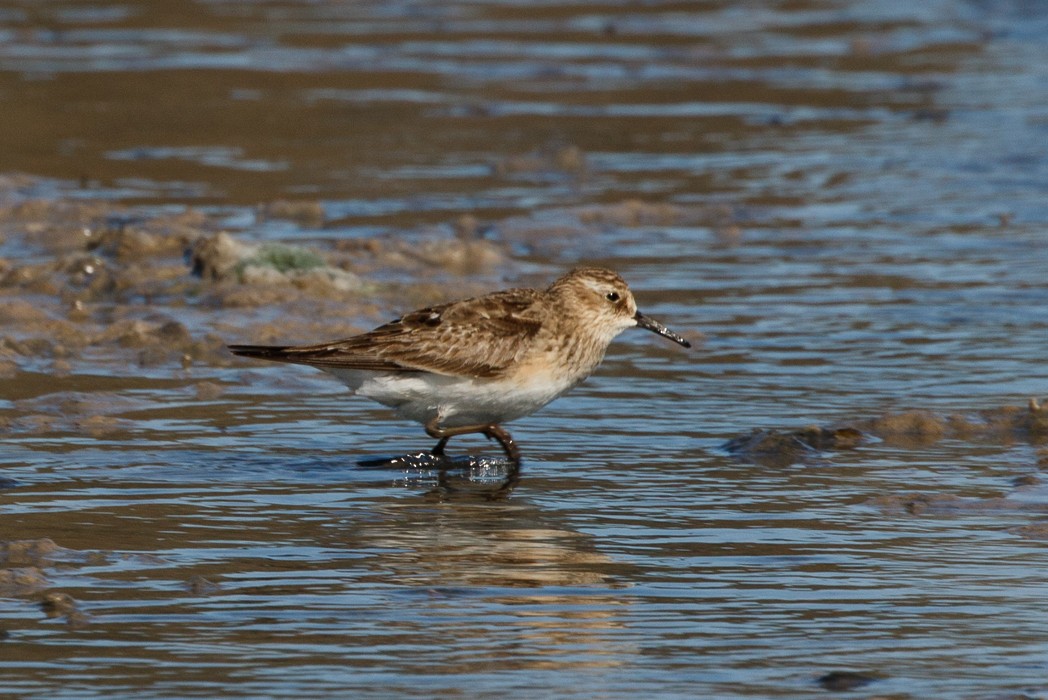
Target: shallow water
{"type": "Point", "coordinates": [843, 204]}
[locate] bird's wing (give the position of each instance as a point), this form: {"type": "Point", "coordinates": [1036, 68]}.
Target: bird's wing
{"type": "Point", "coordinates": [479, 337]}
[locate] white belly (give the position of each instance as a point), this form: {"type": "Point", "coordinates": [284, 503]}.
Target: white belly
{"type": "Point", "coordinates": [456, 401]}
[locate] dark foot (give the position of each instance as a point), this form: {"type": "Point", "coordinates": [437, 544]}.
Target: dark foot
{"type": "Point", "coordinates": [418, 460]}
{"type": "Point", "coordinates": [439, 449]}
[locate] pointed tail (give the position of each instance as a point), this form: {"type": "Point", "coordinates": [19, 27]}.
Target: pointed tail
{"type": "Point", "coordinates": [276, 353]}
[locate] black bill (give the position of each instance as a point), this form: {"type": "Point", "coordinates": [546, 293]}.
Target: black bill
{"type": "Point", "coordinates": [656, 327]}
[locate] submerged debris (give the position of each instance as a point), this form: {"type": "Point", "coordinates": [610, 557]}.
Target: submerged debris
{"type": "Point", "coordinates": [841, 681]}
{"type": "Point", "coordinates": [775, 448]}
{"type": "Point", "coordinates": [552, 161]}
{"type": "Point", "coordinates": [1005, 423]}
{"type": "Point", "coordinates": [24, 568]}
{"type": "Point", "coordinates": [198, 585]}
{"type": "Point", "coordinates": [1033, 531]}
{"type": "Point", "coordinates": [56, 604]}
{"type": "Point", "coordinates": [305, 212]}
{"type": "Point", "coordinates": [22, 565]}
{"type": "Point", "coordinates": [632, 212]}
{"type": "Point", "coordinates": [916, 429]}
{"type": "Point", "coordinates": [945, 503]}
{"type": "Point", "coordinates": [22, 581]}
{"type": "Point", "coordinates": [32, 553]}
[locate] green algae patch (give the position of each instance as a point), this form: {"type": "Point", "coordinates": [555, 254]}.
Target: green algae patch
{"type": "Point", "coordinates": [282, 258]}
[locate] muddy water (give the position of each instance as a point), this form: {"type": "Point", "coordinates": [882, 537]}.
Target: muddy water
{"type": "Point", "coordinates": [842, 204]}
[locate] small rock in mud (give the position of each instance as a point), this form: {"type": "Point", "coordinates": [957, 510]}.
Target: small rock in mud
{"type": "Point", "coordinates": [307, 213]}
{"type": "Point", "coordinates": [216, 257]}
{"type": "Point", "coordinates": [1034, 531]}
{"type": "Point", "coordinates": [467, 253]}
{"type": "Point", "coordinates": [946, 503]}
{"type": "Point", "coordinates": [842, 681]}
{"type": "Point", "coordinates": [34, 424]}
{"type": "Point", "coordinates": [148, 239]}
{"type": "Point", "coordinates": [1035, 419]}
{"type": "Point", "coordinates": [781, 449]}
{"type": "Point", "coordinates": [173, 333]}
{"type": "Point", "coordinates": [27, 552]}
{"type": "Point", "coordinates": [21, 311]}
{"type": "Point", "coordinates": [632, 212]}
{"type": "Point", "coordinates": [198, 585]}
{"type": "Point", "coordinates": [564, 159]}
{"type": "Point", "coordinates": [58, 226]}
{"type": "Point", "coordinates": [208, 391]}
{"type": "Point", "coordinates": [57, 604]}
{"type": "Point", "coordinates": [920, 427]}
{"type": "Point", "coordinates": [21, 581]}
{"type": "Point", "coordinates": [722, 221]}
{"type": "Point", "coordinates": [1005, 423]}
{"type": "Point", "coordinates": [100, 426]}
{"type": "Point", "coordinates": [461, 256]}
{"type": "Point", "coordinates": [468, 228]}
{"type": "Point", "coordinates": [157, 342]}
{"type": "Point", "coordinates": [1026, 481]}
{"type": "Point", "coordinates": [93, 413]}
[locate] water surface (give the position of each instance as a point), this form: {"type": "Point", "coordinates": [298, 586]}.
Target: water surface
{"type": "Point", "coordinates": [842, 203]}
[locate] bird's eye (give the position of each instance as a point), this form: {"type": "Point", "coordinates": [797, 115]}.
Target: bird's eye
{"type": "Point", "coordinates": [612, 296]}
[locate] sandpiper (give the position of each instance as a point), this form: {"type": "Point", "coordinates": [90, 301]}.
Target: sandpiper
{"type": "Point", "coordinates": [468, 366]}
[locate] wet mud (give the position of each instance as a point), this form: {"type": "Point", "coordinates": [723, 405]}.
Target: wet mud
{"type": "Point", "coordinates": [916, 430]}
{"type": "Point", "coordinates": [23, 575]}
{"type": "Point", "coordinates": [909, 429]}
{"type": "Point", "coordinates": [91, 278]}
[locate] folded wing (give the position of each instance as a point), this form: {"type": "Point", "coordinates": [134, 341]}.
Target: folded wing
{"type": "Point", "coordinates": [477, 337]}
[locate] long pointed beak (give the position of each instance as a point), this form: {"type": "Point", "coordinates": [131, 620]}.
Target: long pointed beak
{"type": "Point", "coordinates": [656, 327]}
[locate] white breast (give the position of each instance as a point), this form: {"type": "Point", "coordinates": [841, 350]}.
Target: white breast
{"type": "Point", "coordinates": [457, 401]}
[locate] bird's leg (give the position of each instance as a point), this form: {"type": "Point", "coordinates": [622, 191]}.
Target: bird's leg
{"type": "Point", "coordinates": [434, 430]}
{"type": "Point", "coordinates": [510, 448]}
{"type": "Point", "coordinates": [438, 451]}
{"type": "Point", "coordinates": [495, 432]}
{"type": "Point", "coordinates": [491, 430]}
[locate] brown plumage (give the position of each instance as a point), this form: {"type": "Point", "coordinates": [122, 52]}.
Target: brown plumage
{"type": "Point", "coordinates": [431, 339]}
